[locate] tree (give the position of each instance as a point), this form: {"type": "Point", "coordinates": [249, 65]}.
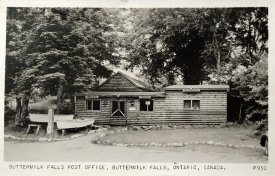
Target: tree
{"type": "Point", "coordinates": [247, 63]}
{"type": "Point", "coordinates": [17, 33]}
{"type": "Point", "coordinates": [251, 85]}
{"type": "Point", "coordinates": [59, 51]}
{"type": "Point", "coordinates": [172, 41]}
{"type": "Point", "coordinates": [192, 43]}
{"type": "Point", "coordinates": [217, 46]}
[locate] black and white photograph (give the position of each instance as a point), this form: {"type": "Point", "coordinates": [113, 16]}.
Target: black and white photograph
{"type": "Point", "coordinates": [137, 85]}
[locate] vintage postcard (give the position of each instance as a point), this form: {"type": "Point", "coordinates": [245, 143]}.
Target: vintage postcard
{"type": "Point", "coordinates": [125, 87]}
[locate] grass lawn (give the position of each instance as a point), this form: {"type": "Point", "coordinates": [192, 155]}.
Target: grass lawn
{"type": "Point", "coordinates": [231, 135]}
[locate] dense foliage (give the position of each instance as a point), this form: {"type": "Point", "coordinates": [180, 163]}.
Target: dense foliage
{"type": "Point", "coordinates": [196, 46]}
{"type": "Point", "coordinates": [58, 51]}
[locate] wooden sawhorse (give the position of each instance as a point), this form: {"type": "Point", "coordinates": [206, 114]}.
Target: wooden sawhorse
{"type": "Point", "coordinates": [34, 125]}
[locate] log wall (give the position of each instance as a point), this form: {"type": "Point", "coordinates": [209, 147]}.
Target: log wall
{"type": "Point", "coordinates": [213, 107]}
{"type": "Point", "coordinates": [167, 110]}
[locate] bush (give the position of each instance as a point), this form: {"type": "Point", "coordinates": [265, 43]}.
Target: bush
{"type": "Point", "coordinates": [38, 111]}
{"type": "Point", "coordinates": [43, 106]}
{"type": "Point", "coordinates": [66, 108]}
{"type": "Point", "coordinates": [262, 125]}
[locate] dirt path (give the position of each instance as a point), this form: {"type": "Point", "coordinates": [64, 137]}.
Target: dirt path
{"type": "Point", "coordinates": [81, 149]}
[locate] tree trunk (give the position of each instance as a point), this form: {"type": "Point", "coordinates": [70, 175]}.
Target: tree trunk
{"type": "Point", "coordinates": [18, 110]}
{"type": "Point", "coordinates": [240, 113]}
{"type": "Point", "coordinates": [25, 108]}
{"type": "Point", "coordinates": [218, 61]}
{"type": "Point", "coordinates": [171, 78]}
{"type": "Point", "coordinates": [60, 96]}
{"type": "Point", "coordinates": [72, 103]}
{"type": "Point", "coordinates": [241, 116]}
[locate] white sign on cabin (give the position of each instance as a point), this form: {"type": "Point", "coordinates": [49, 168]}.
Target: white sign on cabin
{"type": "Point", "coordinates": [145, 97]}
{"type": "Point", "coordinates": [92, 96]}
{"type": "Point", "coordinates": [191, 90]}
{"type": "Point", "coordinates": [132, 108]}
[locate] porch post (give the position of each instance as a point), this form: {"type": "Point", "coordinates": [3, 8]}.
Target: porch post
{"type": "Point", "coordinates": [50, 127]}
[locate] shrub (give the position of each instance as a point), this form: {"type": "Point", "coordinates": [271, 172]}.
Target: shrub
{"type": "Point", "coordinates": [38, 111]}
{"type": "Point", "coordinates": [66, 108]}
{"type": "Point", "coordinates": [262, 125]}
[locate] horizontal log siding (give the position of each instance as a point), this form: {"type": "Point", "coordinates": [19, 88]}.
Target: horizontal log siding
{"type": "Point", "coordinates": [80, 109]}
{"type": "Point", "coordinates": [167, 110]}
{"type": "Point", "coordinates": [134, 116]}
{"type": "Point", "coordinates": [213, 107]}
{"type": "Point", "coordinates": [208, 100]}
{"type": "Point", "coordinates": [150, 117]}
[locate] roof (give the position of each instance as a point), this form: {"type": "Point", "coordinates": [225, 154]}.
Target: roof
{"type": "Point", "coordinates": [137, 83]}
{"type": "Point", "coordinates": [202, 87]}
{"type": "Point", "coordinates": [122, 94]}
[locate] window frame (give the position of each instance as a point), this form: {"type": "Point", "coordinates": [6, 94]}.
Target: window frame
{"type": "Point", "coordinates": [191, 107]}
{"type": "Point", "coordinates": [146, 110]}
{"type": "Point", "coordinates": [92, 102]}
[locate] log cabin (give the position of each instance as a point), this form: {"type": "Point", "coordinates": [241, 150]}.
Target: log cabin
{"type": "Point", "coordinates": [123, 100]}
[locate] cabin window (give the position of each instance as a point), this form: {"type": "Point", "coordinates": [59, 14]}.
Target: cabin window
{"type": "Point", "coordinates": [191, 104]}
{"type": "Point", "coordinates": [187, 104]}
{"type": "Point", "coordinates": [146, 105]}
{"type": "Point", "coordinates": [196, 104]}
{"type": "Point", "coordinates": [93, 105]}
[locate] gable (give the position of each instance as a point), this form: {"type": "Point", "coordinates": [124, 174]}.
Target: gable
{"type": "Point", "coordinates": [120, 83]}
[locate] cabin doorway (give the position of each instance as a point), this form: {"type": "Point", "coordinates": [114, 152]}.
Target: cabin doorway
{"type": "Point", "coordinates": [118, 109]}
{"type": "Point", "coordinates": [118, 116]}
